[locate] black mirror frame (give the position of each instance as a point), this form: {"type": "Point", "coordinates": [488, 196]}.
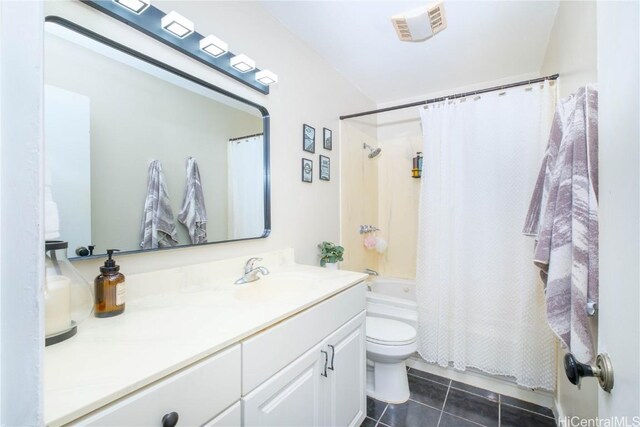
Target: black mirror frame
{"type": "Point", "coordinates": [265, 125]}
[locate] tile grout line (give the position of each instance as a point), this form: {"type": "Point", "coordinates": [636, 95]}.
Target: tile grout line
{"type": "Point", "coordinates": [430, 380]}
{"type": "Point", "coordinates": [475, 394]}
{"type": "Point", "coordinates": [382, 414]}
{"type": "Point", "coordinates": [463, 418]}
{"type": "Point", "coordinates": [529, 410]}
{"type": "Point", "coordinates": [444, 403]}
{"type": "Point", "coordinates": [423, 404]}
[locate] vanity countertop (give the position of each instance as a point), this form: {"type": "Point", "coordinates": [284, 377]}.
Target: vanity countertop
{"type": "Point", "coordinates": [172, 319]}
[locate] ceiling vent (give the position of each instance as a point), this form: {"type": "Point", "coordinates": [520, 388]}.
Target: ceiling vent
{"type": "Point", "coordinates": [420, 24]}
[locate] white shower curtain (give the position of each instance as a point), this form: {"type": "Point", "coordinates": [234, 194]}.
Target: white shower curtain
{"type": "Point", "coordinates": [480, 303]}
{"type": "Point", "coordinates": [246, 187]}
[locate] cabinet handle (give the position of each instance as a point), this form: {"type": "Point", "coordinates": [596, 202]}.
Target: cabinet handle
{"type": "Point", "coordinates": [170, 419]}
{"type": "Point", "coordinates": [333, 353]}
{"type": "Point", "coordinates": [326, 361]}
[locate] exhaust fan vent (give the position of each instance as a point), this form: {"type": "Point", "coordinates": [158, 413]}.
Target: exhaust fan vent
{"type": "Point", "coordinates": [420, 24]}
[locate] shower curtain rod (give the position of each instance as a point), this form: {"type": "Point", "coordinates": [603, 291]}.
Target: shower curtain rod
{"type": "Point", "coordinates": [246, 136]}
{"type": "Point", "coordinates": [457, 95]}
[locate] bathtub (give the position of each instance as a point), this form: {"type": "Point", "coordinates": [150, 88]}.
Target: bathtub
{"type": "Point", "coordinates": [393, 298]}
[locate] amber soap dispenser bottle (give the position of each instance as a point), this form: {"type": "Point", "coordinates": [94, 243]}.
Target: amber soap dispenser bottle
{"type": "Point", "coordinates": [109, 287]}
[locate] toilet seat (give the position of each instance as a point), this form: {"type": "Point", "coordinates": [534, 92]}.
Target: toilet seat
{"type": "Point", "coordinates": [389, 332]}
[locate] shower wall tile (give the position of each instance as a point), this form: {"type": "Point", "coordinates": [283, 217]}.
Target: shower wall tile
{"type": "Point", "coordinates": [358, 192]}
{"type": "Point", "coordinates": [400, 137]}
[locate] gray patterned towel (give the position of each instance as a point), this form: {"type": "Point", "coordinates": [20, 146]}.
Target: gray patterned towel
{"type": "Point", "coordinates": [193, 213]}
{"type": "Point", "coordinates": [563, 216]}
{"type": "Point", "coordinates": [158, 226]}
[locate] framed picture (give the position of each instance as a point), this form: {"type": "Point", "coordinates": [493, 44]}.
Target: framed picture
{"type": "Point", "coordinates": [327, 139]}
{"type": "Point", "coordinates": [307, 170]}
{"type": "Point", "coordinates": [308, 139]}
{"type": "Point", "coordinates": [325, 168]}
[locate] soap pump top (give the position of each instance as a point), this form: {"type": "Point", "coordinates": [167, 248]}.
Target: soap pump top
{"type": "Point", "coordinates": [110, 266]}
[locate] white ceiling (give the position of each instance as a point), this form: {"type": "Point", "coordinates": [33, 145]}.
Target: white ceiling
{"type": "Point", "coordinates": [484, 41]}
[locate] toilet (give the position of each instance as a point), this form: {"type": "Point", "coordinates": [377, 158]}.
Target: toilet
{"type": "Point", "coordinates": [389, 343]}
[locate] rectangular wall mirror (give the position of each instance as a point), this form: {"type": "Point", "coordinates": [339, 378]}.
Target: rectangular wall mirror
{"type": "Point", "coordinates": [110, 113]}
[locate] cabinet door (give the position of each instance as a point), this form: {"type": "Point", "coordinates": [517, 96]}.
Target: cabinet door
{"type": "Point", "coordinates": [232, 417]}
{"type": "Point", "coordinates": [292, 397]}
{"type": "Point", "coordinates": [346, 385]}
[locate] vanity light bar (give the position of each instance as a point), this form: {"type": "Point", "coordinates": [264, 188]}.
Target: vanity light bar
{"type": "Point", "coordinates": [179, 33]}
{"type": "Point", "coordinates": [266, 77]}
{"type": "Point", "coordinates": [177, 24]}
{"type": "Point", "coordinates": [242, 63]}
{"type": "Point", "coordinates": [135, 6]}
{"type": "Point", "coordinates": [214, 46]}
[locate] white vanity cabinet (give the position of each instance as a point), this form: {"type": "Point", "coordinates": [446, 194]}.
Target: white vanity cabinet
{"type": "Point", "coordinates": [346, 378]}
{"type": "Point", "coordinates": [292, 397]}
{"type": "Point", "coordinates": [323, 386]}
{"type": "Point", "coordinates": [308, 369]}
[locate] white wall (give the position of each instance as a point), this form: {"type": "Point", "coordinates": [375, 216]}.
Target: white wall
{"type": "Point", "coordinates": [309, 91]}
{"type": "Point", "coordinates": [154, 120]}
{"type": "Point", "coordinates": [619, 136]}
{"type": "Point", "coordinates": [21, 215]}
{"type": "Point", "coordinates": [572, 53]}
{"type": "Point", "coordinates": [572, 46]}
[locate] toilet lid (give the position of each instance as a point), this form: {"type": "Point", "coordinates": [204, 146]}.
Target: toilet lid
{"type": "Point", "coordinates": [388, 331]}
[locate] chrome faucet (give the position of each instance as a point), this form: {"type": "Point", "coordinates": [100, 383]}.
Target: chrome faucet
{"type": "Point", "coordinates": [251, 272]}
{"type": "Point", "coordinates": [371, 272]}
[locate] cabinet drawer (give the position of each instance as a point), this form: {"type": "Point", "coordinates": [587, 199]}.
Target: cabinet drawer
{"type": "Point", "coordinates": [197, 393]}
{"type": "Point", "coordinates": [268, 352]}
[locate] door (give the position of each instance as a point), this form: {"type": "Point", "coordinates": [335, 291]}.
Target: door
{"type": "Point", "coordinates": [345, 388]}
{"type": "Point", "coordinates": [619, 333]}
{"type": "Point", "coordinates": [292, 397]}
{"type": "Point", "coordinates": [68, 163]}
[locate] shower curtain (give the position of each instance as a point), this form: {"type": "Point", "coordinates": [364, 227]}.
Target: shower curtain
{"type": "Point", "coordinates": [246, 187]}
{"type": "Point", "coordinates": [480, 303]}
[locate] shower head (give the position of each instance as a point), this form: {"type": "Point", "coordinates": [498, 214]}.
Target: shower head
{"type": "Point", "coordinates": [373, 152]}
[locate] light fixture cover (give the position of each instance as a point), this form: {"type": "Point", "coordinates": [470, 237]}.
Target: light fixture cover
{"type": "Point", "coordinates": [135, 6]}
{"type": "Point", "coordinates": [214, 46]}
{"type": "Point", "coordinates": [266, 77]}
{"type": "Point", "coordinates": [177, 24]}
{"type": "Point", "coordinates": [243, 63]}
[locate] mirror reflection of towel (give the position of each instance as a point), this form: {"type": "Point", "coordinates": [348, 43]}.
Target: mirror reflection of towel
{"type": "Point", "coordinates": [193, 213]}
{"type": "Point", "coordinates": [158, 224]}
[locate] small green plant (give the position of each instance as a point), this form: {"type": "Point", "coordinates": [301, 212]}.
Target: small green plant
{"type": "Point", "coordinates": [330, 253]}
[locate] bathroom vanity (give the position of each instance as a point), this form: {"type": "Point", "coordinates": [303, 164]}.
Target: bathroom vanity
{"type": "Point", "coordinates": [288, 349]}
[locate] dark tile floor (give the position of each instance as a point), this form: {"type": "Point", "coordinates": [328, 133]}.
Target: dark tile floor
{"type": "Point", "coordinates": [439, 402]}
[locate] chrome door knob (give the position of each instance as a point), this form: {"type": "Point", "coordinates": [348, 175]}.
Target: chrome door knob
{"type": "Point", "coordinates": [603, 370]}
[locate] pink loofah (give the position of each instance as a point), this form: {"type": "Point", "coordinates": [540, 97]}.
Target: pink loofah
{"type": "Point", "coordinates": [369, 242]}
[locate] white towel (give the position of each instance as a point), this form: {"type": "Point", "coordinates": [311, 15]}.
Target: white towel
{"type": "Point", "coordinates": [193, 213]}
{"type": "Point", "coordinates": [563, 216]}
{"type": "Point", "coordinates": [158, 224]}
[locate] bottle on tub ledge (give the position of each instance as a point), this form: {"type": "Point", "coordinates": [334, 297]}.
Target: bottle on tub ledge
{"type": "Point", "coordinates": [416, 171]}
{"type": "Point", "coordinates": [110, 288]}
